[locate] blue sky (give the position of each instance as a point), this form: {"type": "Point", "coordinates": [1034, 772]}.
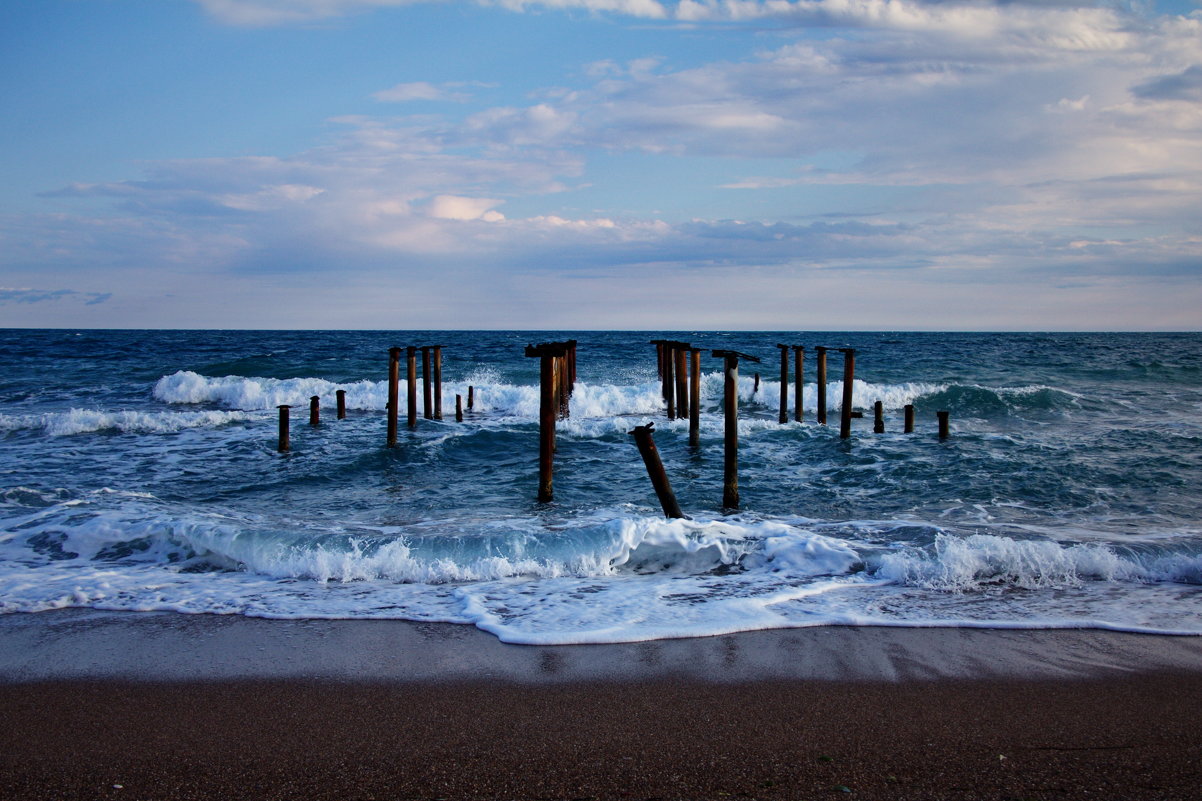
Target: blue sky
{"type": "Point", "coordinates": [789, 164]}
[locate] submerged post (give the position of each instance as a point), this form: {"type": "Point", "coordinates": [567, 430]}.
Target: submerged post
{"type": "Point", "coordinates": [849, 375]}
{"type": "Point", "coordinates": [438, 382]}
{"type": "Point", "coordinates": [944, 428]}
{"type": "Point", "coordinates": [411, 356]}
{"type": "Point", "coordinates": [426, 399]}
{"type": "Point", "coordinates": [821, 384]}
{"type": "Point", "coordinates": [680, 351]}
{"type": "Point", "coordinates": [799, 357]}
{"type": "Point", "coordinates": [458, 408]}
{"type": "Point", "coordinates": [394, 366]}
{"type": "Point", "coordinates": [756, 387]}
{"type": "Point", "coordinates": [730, 409]}
{"type": "Point", "coordinates": [341, 395]}
{"type": "Point", "coordinates": [909, 425]}
{"type": "Point", "coordinates": [284, 444]}
{"type": "Point", "coordinates": [783, 417]}
{"type": "Point", "coordinates": [878, 418]}
{"type": "Point", "coordinates": [695, 396]}
{"type": "Point", "coordinates": [655, 470]}
{"type": "Point", "coordinates": [315, 410]}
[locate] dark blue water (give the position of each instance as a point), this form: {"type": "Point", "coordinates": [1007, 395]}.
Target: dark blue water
{"type": "Point", "coordinates": [139, 471]}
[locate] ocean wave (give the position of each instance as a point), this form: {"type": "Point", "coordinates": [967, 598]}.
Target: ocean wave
{"type": "Point", "coordinates": [85, 421]}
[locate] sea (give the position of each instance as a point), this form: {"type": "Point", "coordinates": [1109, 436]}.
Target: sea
{"type": "Point", "coordinates": [140, 470]}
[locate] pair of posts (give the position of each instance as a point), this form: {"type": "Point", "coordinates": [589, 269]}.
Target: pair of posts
{"type": "Point", "coordinates": [556, 369]}
{"type": "Point", "coordinates": [799, 358]}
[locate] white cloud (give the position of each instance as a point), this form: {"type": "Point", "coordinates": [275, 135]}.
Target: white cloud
{"type": "Point", "coordinates": [452, 207]}
{"type": "Point", "coordinates": [421, 90]}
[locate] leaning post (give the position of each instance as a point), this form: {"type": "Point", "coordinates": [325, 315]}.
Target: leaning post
{"type": "Point", "coordinates": [284, 444]}
{"type": "Point", "coordinates": [730, 408]}
{"type": "Point", "coordinates": [821, 351]}
{"type": "Point", "coordinates": [394, 366]}
{"type": "Point", "coordinates": [849, 375]}
{"type": "Point", "coordinates": [799, 357]}
{"type": "Point", "coordinates": [784, 384]}
{"type": "Point", "coordinates": [655, 470]}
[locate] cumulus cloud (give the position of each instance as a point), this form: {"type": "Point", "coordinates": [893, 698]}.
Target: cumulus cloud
{"type": "Point", "coordinates": [421, 90]}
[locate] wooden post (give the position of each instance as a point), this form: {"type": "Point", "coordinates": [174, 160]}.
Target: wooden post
{"type": "Point", "coordinates": [655, 470]}
{"type": "Point", "coordinates": [458, 408]}
{"type": "Point", "coordinates": [659, 357]}
{"type": "Point", "coordinates": [411, 355]}
{"type": "Point", "coordinates": [427, 412]}
{"type": "Point", "coordinates": [315, 410]}
{"type": "Point", "coordinates": [730, 409]}
{"type": "Point", "coordinates": [944, 428]}
{"type": "Point", "coordinates": [878, 418]}
{"type": "Point", "coordinates": [799, 357]}
{"type": "Point", "coordinates": [563, 385]}
{"type": "Point", "coordinates": [695, 397]}
{"type": "Point", "coordinates": [471, 397]}
{"type": "Point", "coordinates": [284, 445]}
{"type": "Point", "coordinates": [394, 366]}
{"type": "Point", "coordinates": [909, 429]}
{"type": "Point", "coordinates": [341, 395]}
{"type": "Point", "coordinates": [783, 417]}
{"type": "Point", "coordinates": [550, 359]}
{"type": "Point", "coordinates": [670, 378]}
{"type": "Point", "coordinates": [821, 384]}
{"type": "Point", "coordinates": [571, 366]}
{"type": "Point", "coordinates": [756, 388]}
{"type": "Point", "coordinates": [680, 351]}
{"type": "Point", "coordinates": [849, 375]}
{"type": "Point", "coordinates": [438, 382]}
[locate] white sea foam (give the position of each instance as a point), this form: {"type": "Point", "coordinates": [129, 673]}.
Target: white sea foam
{"type": "Point", "coordinates": [84, 421]}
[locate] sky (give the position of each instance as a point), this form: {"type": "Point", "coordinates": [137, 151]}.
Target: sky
{"type": "Point", "coordinates": [577, 164]}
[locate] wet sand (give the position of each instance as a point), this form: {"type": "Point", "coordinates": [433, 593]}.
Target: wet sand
{"type": "Point", "coordinates": [173, 706]}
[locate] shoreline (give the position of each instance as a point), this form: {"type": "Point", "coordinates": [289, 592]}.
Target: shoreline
{"type": "Point", "coordinates": [127, 705]}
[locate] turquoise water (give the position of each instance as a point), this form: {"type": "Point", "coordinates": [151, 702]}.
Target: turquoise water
{"type": "Point", "coordinates": [139, 471]}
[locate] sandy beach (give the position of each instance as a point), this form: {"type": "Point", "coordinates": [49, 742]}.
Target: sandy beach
{"type": "Point", "coordinates": [167, 706]}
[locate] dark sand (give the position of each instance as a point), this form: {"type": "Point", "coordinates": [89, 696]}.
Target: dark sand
{"type": "Point", "coordinates": [171, 706]}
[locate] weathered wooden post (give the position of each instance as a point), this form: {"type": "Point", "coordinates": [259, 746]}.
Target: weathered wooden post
{"type": "Point", "coordinates": [756, 388]}
{"type": "Point", "coordinates": [784, 384]}
{"type": "Point", "coordinates": [394, 367]}
{"type": "Point", "coordinates": [427, 411]}
{"type": "Point", "coordinates": [284, 444]}
{"type": "Point", "coordinates": [730, 409]}
{"type": "Point", "coordinates": [909, 426]}
{"type": "Point", "coordinates": [655, 470]}
{"type": "Point", "coordinates": [563, 384]}
{"type": "Point", "coordinates": [315, 410]}
{"type": "Point", "coordinates": [821, 384]}
{"type": "Point", "coordinates": [549, 356]}
{"type": "Point", "coordinates": [849, 375]}
{"type": "Point", "coordinates": [878, 418]}
{"type": "Point", "coordinates": [438, 382]}
{"type": "Point", "coordinates": [944, 428]}
{"type": "Point", "coordinates": [341, 396]}
{"type": "Point", "coordinates": [659, 357]}
{"type": "Point", "coordinates": [571, 366]}
{"type": "Point", "coordinates": [458, 408]}
{"type": "Point", "coordinates": [695, 396]}
{"type": "Point", "coordinates": [471, 397]}
{"type": "Point", "coordinates": [680, 351]}
{"type": "Point", "coordinates": [411, 356]}
{"type": "Point", "coordinates": [799, 356]}
{"type": "Point", "coordinates": [670, 378]}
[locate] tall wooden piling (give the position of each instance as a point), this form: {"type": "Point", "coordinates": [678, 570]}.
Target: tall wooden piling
{"type": "Point", "coordinates": [821, 379]}
{"type": "Point", "coordinates": [411, 375]}
{"type": "Point", "coordinates": [755, 388]}
{"type": "Point", "coordinates": [284, 444]}
{"type": "Point", "coordinates": [849, 375]}
{"type": "Point", "coordinates": [315, 410]}
{"type": "Point", "coordinates": [730, 410]}
{"type": "Point", "coordinates": [659, 357]}
{"type": "Point", "coordinates": [427, 410]}
{"type": "Point", "coordinates": [944, 426]}
{"type": "Point", "coordinates": [550, 357]}
{"type": "Point", "coordinates": [670, 378]}
{"type": "Point", "coordinates": [394, 366]}
{"type": "Point", "coordinates": [341, 396]}
{"type": "Point", "coordinates": [909, 424]}
{"type": "Point", "coordinates": [438, 382]}
{"type": "Point", "coordinates": [694, 396]}
{"type": "Point", "coordinates": [563, 384]}
{"type": "Point", "coordinates": [878, 418]}
{"type": "Point", "coordinates": [571, 365]}
{"type": "Point", "coordinates": [783, 417]}
{"type": "Point", "coordinates": [799, 358]}
{"type": "Point", "coordinates": [680, 352]}
{"type": "Point", "coordinates": [458, 408]}
{"type": "Point", "coordinates": [655, 470]}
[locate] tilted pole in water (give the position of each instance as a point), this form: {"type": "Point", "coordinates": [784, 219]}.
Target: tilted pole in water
{"type": "Point", "coordinates": [315, 410]}
{"type": "Point", "coordinates": [341, 396]}
{"type": "Point", "coordinates": [730, 409]}
{"type": "Point", "coordinates": [821, 351]}
{"type": "Point", "coordinates": [655, 470]}
{"type": "Point", "coordinates": [783, 417]}
{"type": "Point", "coordinates": [878, 418]}
{"type": "Point", "coordinates": [411, 356]}
{"type": "Point", "coordinates": [426, 399]}
{"type": "Point", "coordinates": [284, 444]}
{"type": "Point", "coordinates": [394, 366]}
{"type": "Point", "coordinates": [849, 375]}
{"type": "Point", "coordinates": [944, 428]}
{"type": "Point", "coordinates": [799, 357]}
{"type": "Point", "coordinates": [438, 382]}
{"type": "Point", "coordinates": [695, 396]}
{"type": "Point", "coordinates": [909, 425]}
